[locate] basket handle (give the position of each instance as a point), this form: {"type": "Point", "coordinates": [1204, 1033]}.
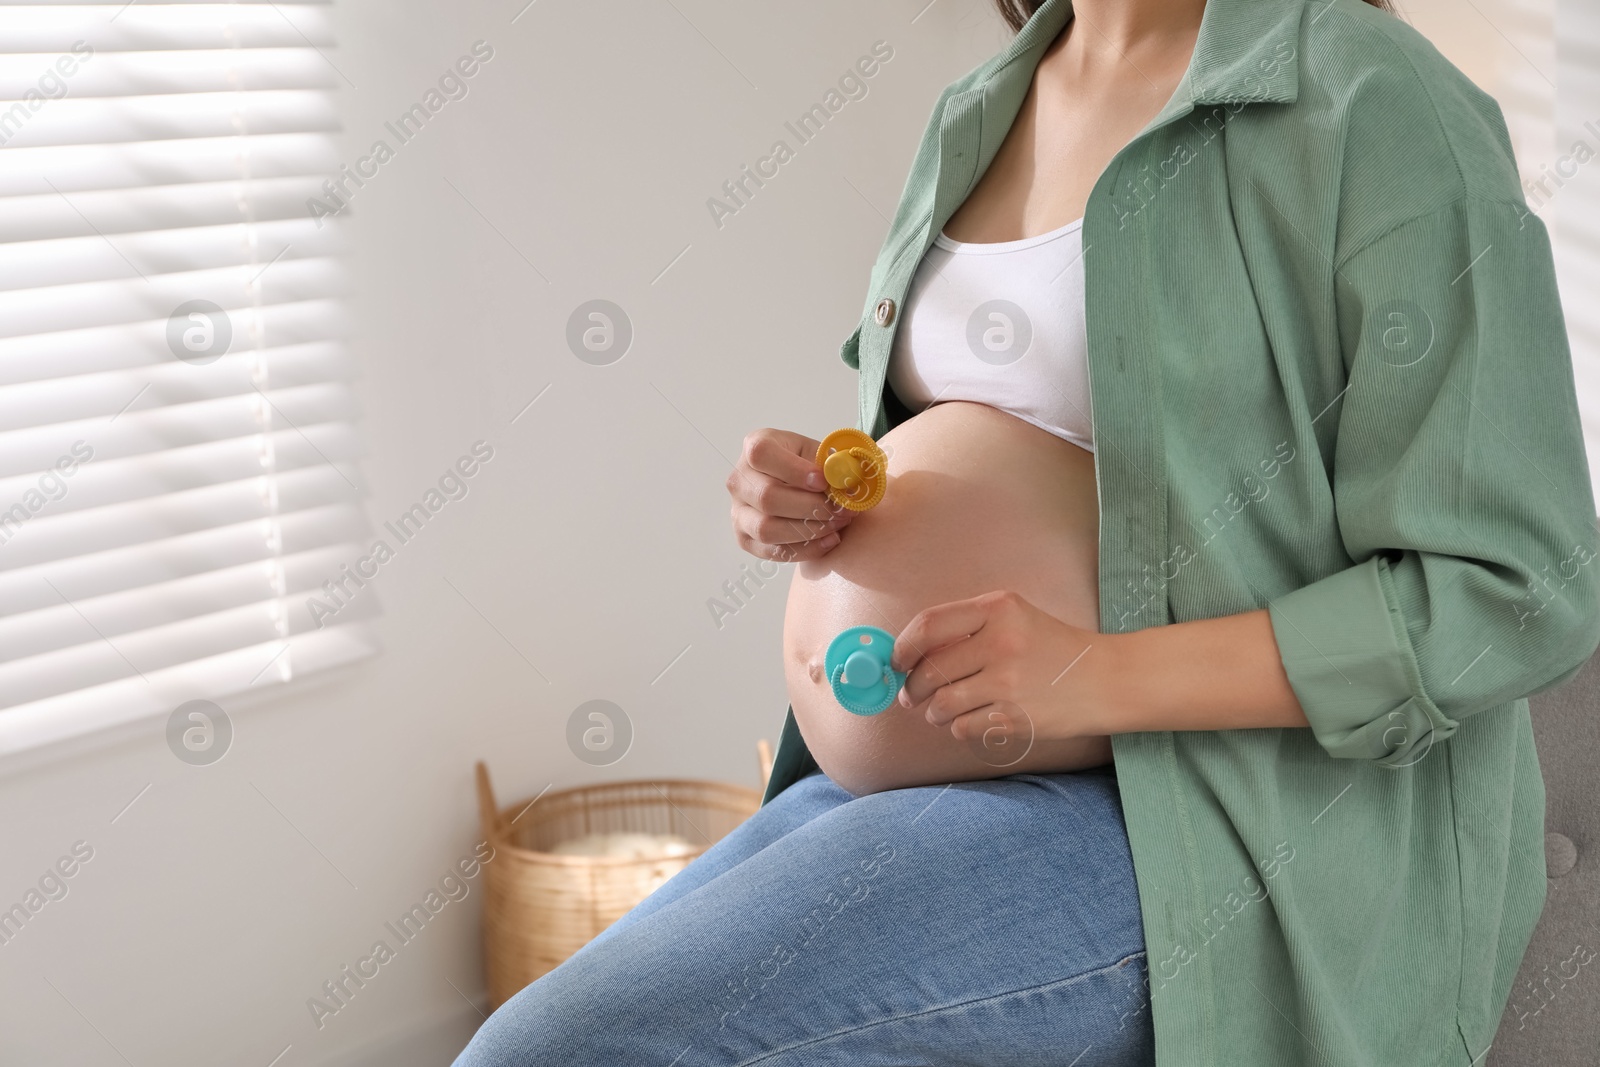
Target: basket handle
{"type": "Point", "coordinates": [764, 760]}
{"type": "Point", "coordinates": [488, 810]}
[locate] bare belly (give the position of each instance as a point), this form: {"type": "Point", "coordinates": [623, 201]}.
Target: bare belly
{"type": "Point", "coordinates": [978, 501]}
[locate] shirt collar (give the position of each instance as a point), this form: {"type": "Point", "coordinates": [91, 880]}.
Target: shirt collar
{"type": "Point", "coordinates": [1246, 51]}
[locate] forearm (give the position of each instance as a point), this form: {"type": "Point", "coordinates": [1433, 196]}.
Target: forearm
{"type": "Point", "coordinates": [1209, 674]}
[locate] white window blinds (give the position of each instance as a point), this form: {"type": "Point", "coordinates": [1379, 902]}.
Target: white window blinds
{"type": "Point", "coordinates": [177, 452]}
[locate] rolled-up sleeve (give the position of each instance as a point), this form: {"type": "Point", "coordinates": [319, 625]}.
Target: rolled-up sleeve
{"type": "Point", "coordinates": [1460, 486]}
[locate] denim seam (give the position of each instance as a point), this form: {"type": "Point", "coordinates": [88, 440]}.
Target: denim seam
{"type": "Point", "coordinates": [946, 1007]}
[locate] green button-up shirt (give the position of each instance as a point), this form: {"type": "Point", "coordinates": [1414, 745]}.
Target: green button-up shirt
{"type": "Point", "coordinates": [1330, 377]}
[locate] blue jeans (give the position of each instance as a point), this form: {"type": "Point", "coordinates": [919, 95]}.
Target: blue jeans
{"type": "Point", "coordinates": [985, 923]}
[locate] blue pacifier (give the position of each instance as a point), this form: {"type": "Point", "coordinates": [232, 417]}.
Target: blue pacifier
{"type": "Point", "coordinates": [857, 663]}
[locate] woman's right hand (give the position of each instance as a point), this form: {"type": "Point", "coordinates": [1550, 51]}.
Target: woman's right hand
{"type": "Point", "coordinates": [780, 508]}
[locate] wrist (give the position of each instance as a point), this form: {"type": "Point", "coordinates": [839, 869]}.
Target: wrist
{"type": "Point", "coordinates": [1123, 684]}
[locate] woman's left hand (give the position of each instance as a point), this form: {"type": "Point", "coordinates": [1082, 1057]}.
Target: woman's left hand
{"type": "Point", "coordinates": [995, 656]}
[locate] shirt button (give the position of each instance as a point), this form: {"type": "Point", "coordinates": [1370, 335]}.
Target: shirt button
{"type": "Point", "coordinates": [883, 315]}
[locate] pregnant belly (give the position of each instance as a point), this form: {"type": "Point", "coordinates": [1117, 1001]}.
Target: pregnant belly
{"type": "Point", "coordinates": [978, 501]}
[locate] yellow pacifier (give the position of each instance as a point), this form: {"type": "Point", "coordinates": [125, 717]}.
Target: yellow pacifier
{"type": "Point", "coordinates": [855, 468]}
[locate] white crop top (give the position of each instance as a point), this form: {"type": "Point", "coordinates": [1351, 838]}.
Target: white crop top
{"type": "Point", "coordinates": [999, 324]}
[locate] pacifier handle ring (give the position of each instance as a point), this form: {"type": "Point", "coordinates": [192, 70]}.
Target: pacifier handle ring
{"type": "Point", "coordinates": [871, 488]}
{"type": "Point", "coordinates": [869, 466]}
{"type": "Point", "coordinates": [869, 460]}
{"type": "Point", "coordinates": [877, 691]}
{"type": "Point", "coordinates": [856, 706]}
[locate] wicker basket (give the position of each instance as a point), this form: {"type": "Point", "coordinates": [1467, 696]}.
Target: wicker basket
{"type": "Point", "coordinates": [539, 908]}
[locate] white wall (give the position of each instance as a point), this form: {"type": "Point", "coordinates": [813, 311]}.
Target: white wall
{"type": "Point", "coordinates": [224, 896]}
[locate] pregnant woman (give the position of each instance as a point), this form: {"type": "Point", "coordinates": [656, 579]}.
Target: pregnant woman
{"type": "Point", "coordinates": [1237, 498]}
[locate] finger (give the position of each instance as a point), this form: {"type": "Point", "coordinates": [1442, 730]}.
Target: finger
{"type": "Point", "coordinates": [1000, 734]}
{"type": "Point", "coordinates": [770, 496]}
{"type": "Point", "coordinates": [799, 553]}
{"type": "Point", "coordinates": [776, 530]}
{"type": "Point", "coordinates": [936, 627]}
{"type": "Point", "coordinates": [951, 702]}
{"type": "Point", "coordinates": [789, 457]}
{"type": "Point", "coordinates": [952, 663]}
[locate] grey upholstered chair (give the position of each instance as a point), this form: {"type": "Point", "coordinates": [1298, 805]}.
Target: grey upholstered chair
{"type": "Point", "coordinates": [1553, 1017]}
